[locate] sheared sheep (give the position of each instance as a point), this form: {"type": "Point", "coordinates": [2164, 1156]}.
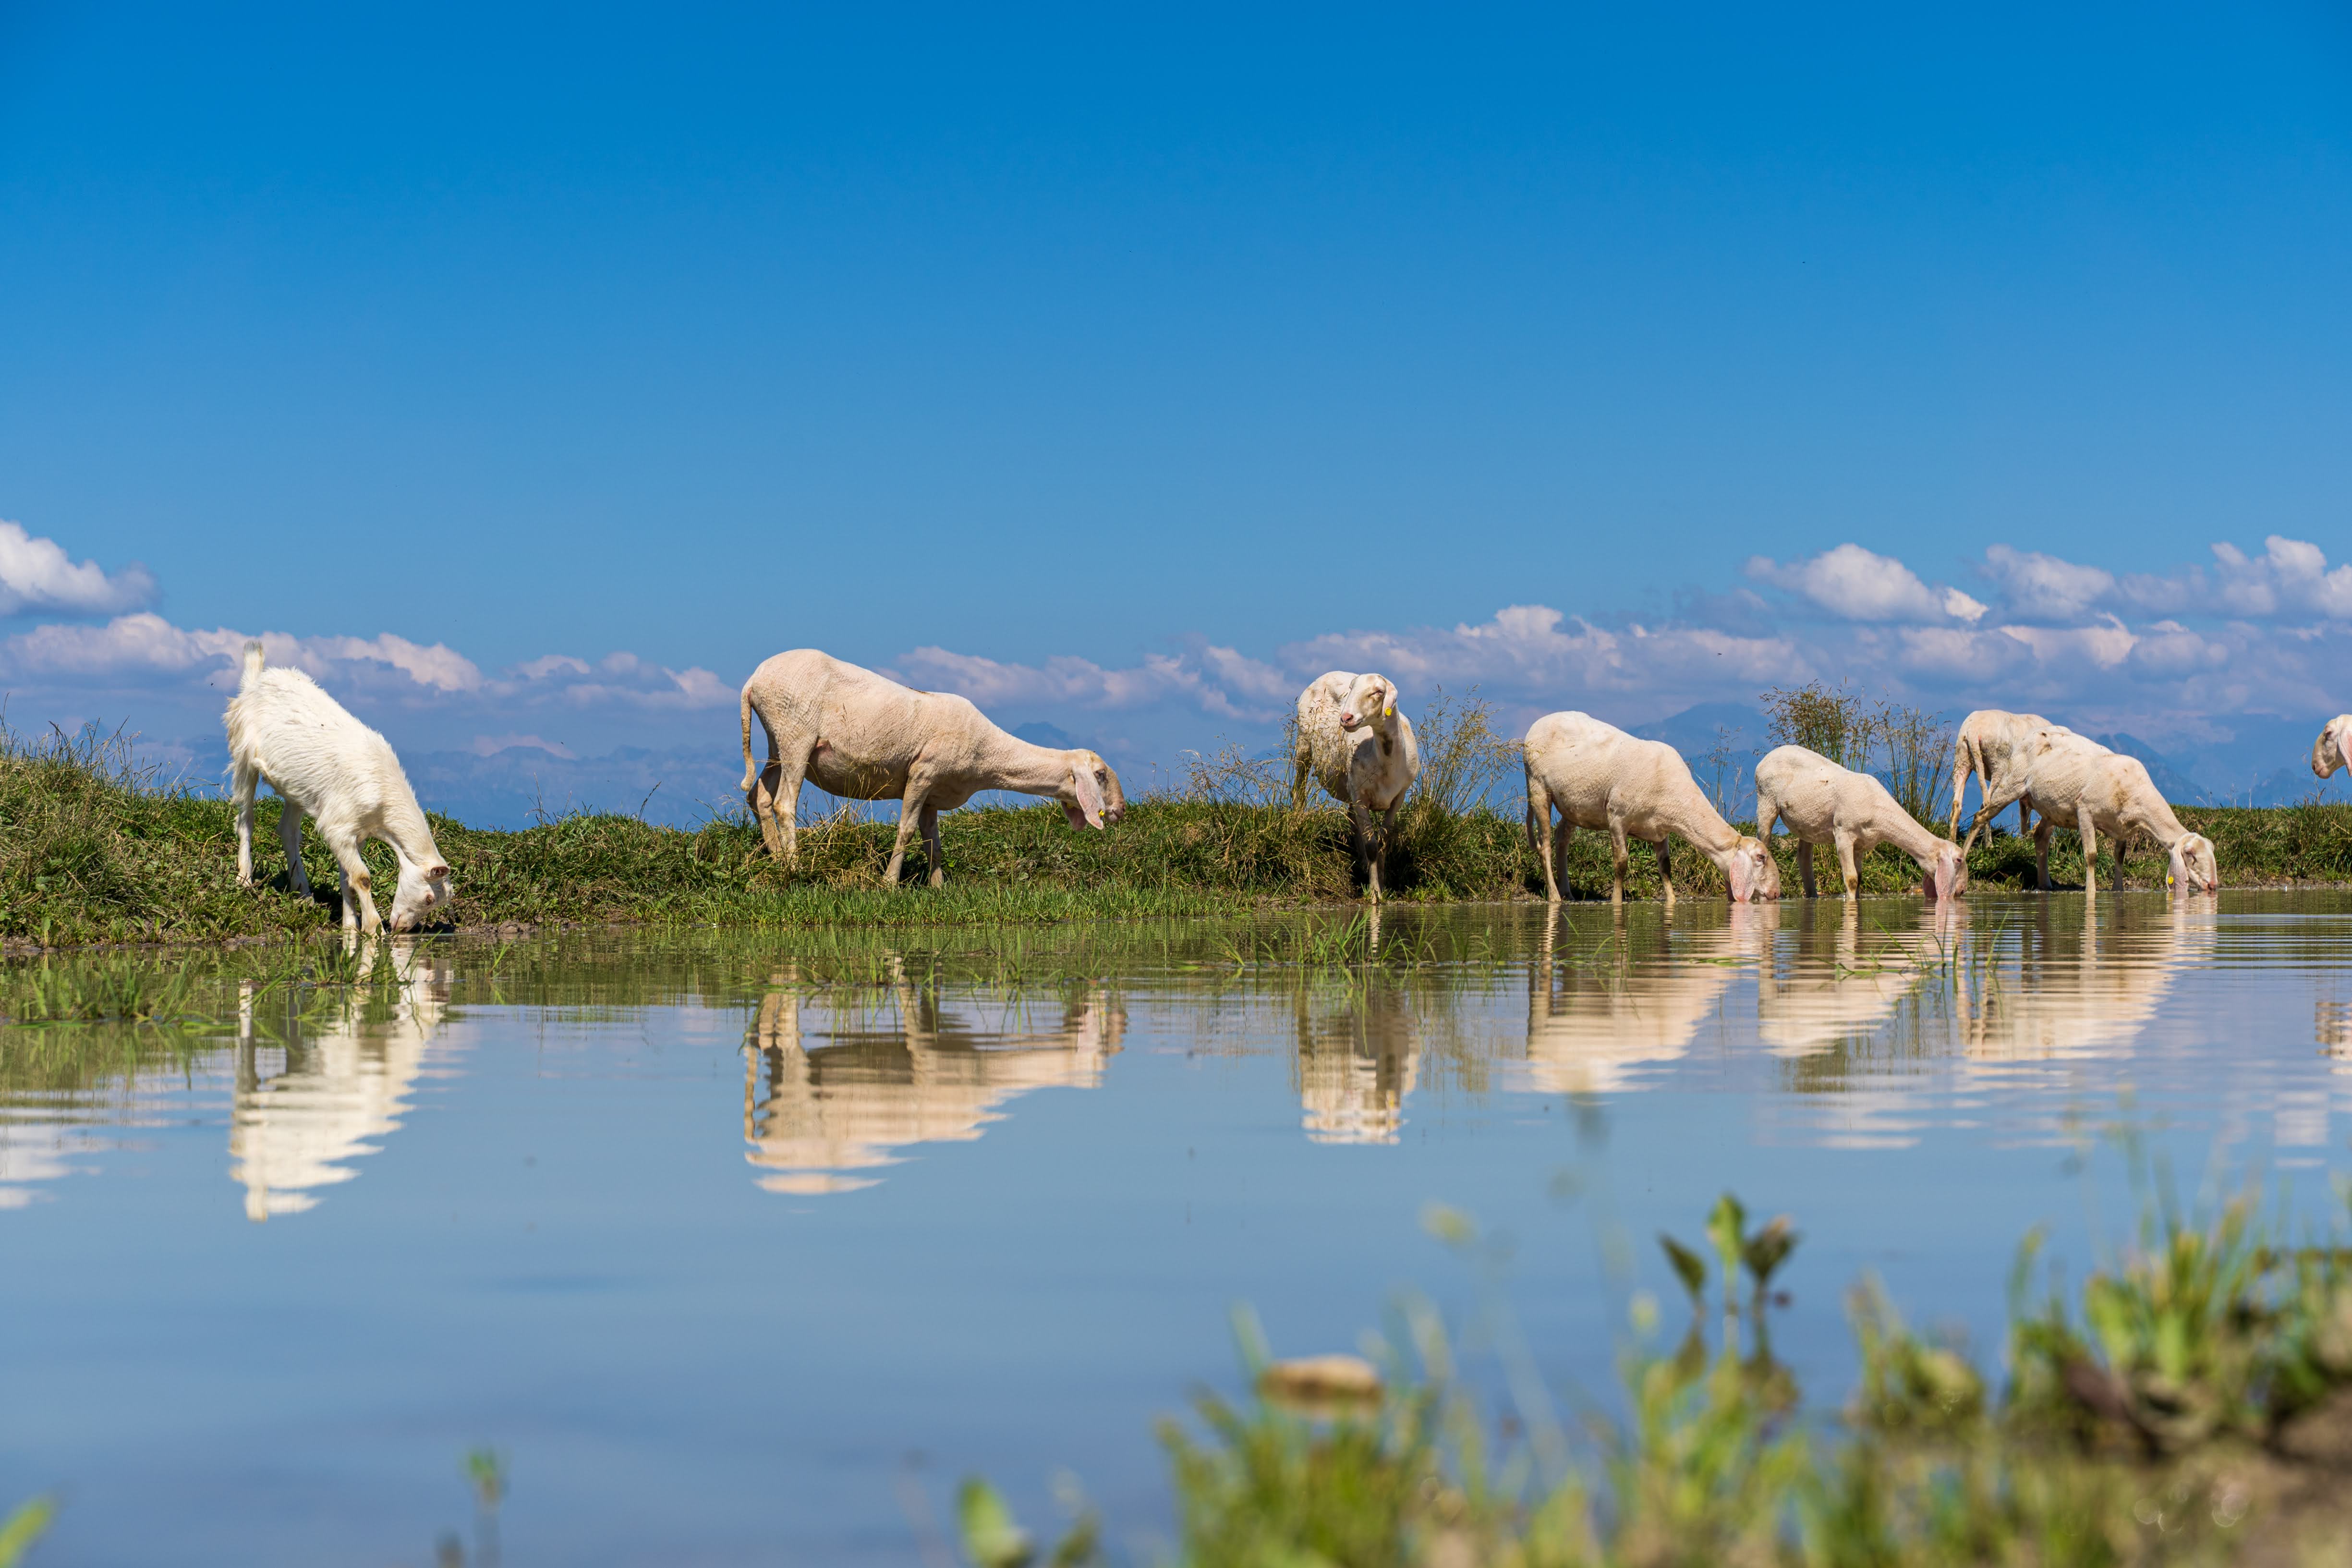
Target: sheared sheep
{"type": "Point", "coordinates": [1825, 804]}
{"type": "Point", "coordinates": [862, 736]}
{"type": "Point", "coordinates": [1599, 777]}
{"type": "Point", "coordinates": [2082, 784]}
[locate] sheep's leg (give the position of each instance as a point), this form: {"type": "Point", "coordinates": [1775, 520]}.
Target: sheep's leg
{"type": "Point", "coordinates": [910, 812]}
{"type": "Point", "coordinates": [1360, 828]}
{"type": "Point", "coordinates": [2042, 853]}
{"type": "Point", "coordinates": [1305, 759]}
{"type": "Point", "coordinates": [1992, 808]}
{"type": "Point", "coordinates": [1540, 835]}
{"type": "Point", "coordinates": [1617, 860]}
{"type": "Point", "coordinates": [289, 834]}
{"type": "Point", "coordinates": [1766, 813]}
{"type": "Point", "coordinates": [1381, 854]}
{"type": "Point", "coordinates": [243, 782]}
{"type": "Point", "coordinates": [1805, 866]}
{"type": "Point", "coordinates": [1559, 840]}
{"type": "Point", "coordinates": [776, 802]}
{"type": "Point", "coordinates": [359, 896]}
{"type": "Point", "coordinates": [1665, 871]}
{"type": "Point", "coordinates": [931, 825]}
{"type": "Point", "coordinates": [2090, 848]}
{"type": "Point", "coordinates": [1845, 865]}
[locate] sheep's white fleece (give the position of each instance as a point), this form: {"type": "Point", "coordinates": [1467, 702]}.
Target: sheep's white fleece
{"type": "Point", "coordinates": [2079, 783]}
{"type": "Point", "coordinates": [327, 765]}
{"type": "Point", "coordinates": [1983, 748]}
{"type": "Point", "coordinates": [1601, 777]}
{"type": "Point", "coordinates": [1825, 804]}
{"type": "Point", "coordinates": [862, 736]}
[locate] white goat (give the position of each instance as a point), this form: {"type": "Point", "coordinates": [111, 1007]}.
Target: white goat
{"type": "Point", "coordinates": [1357, 745]}
{"type": "Point", "coordinates": [2083, 786]}
{"type": "Point", "coordinates": [1599, 777]}
{"type": "Point", "coordinates": [2333, 750]}
{"type": "Point", "coordinates": [1982, 748]}
{"type": "Point", "coordinates": [327, 765]}
{"type": "Point", "coordinates": [862, 736]}
{"type": "Point", "coordinates": [1825, 804]}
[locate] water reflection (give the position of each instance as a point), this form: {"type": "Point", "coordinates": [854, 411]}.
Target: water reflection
{"type": "Point", "coordinates": [317, 1095]}
{"type": "Point", "coordinates": [2079, 986]}
{"type": "Point", "coordinates": [1846, 977]}
{"type": "Point", "coordinates": [1599, 1015]}
{"type": "Point", "coordinates": [835, 1084]}
{"type": "Point", "coordinates": [1359, 1056]}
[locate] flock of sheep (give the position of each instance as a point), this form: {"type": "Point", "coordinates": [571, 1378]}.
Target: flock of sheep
{"type": "Point", "coordinates": [862, 736]}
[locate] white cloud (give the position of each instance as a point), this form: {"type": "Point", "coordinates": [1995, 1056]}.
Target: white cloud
{"type": "Point", "coordinates": [2043, 587]}
{"type": "Point", "coordinates": [36, 574]}
{"type": "Point", "coordinates": [1858, 585]}
{"type": "Point", "coordinates": [491, 745]}
{"type": "Point", "coordinates": [1064, 679]}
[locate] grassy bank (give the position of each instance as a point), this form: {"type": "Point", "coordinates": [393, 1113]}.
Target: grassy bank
{"type": "Point", "coordinates": [93, 849]}
{"type": "Point", "coordinates": [2190, 1404]}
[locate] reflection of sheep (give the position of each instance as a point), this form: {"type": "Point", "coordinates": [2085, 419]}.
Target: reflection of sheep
{"type": "Point", "coordinates": [846, 1098]}
{"type": "Point", "coordinates": [1587, 1029]}
{"type": "Point", "coordinates": [2082, 1002]}
{"type": "Point", "coordinates": [1357, 1062]}
{"type": "Point", "coordinates": [1818, 1004]}
{"type": "Point", "coordinates": [339, 1088]}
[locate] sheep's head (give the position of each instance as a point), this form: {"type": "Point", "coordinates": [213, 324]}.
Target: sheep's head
{"type": "Point", "coordinates": [2328, 752]}
{"type": "Point", "coordinates": [2194, 867]}
{"type": "Point", "coordinates": [1095, 797]}
{"type": "Point", "coordinates": [1753, 873]}
{"type": "Point", "coordinates": [1370, 699]}
{"type": "Point", "coordinates": [1947, 874]}
{"type": "Point", "coordinates": [423, 888]}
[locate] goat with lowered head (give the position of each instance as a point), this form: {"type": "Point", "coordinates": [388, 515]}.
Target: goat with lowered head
{"type": "Point", "coordinates": [1854, 813]}
{"type": "Point", "coordinates": [862, 736]}
{"type": "Point", "coordinates": [1598, 776]}
{"type": "Point", "coordinates": [328, 767]}
{"type": "Point", "coordinates": [1353, 741]}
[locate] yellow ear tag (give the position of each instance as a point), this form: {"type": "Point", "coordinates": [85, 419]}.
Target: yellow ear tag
{"type": "Point", "coordinates": [1388, 710]}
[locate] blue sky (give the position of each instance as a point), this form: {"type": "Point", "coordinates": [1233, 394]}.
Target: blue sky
{"type": "Point", "coordinates": [536, 376]}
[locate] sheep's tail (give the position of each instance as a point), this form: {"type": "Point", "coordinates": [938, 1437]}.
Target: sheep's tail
{"type": "Point", "coordinates": [750, 771]}
{"type": "Point", "coordinates": [252, 671]}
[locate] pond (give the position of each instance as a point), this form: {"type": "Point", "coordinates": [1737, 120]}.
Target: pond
{"type": "Point", "coordinates": [745, 1248]}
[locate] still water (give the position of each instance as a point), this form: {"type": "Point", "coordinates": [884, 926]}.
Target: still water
{"type": "Point", "coordinates": [743, 1250]}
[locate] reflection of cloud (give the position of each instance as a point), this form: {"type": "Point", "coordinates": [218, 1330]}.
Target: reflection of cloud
{"type": "Point", "coordinates": [333, 1091]}
{"type": "Point", "coordinates": [841, 1096]}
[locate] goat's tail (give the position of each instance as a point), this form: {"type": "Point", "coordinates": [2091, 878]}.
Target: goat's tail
{"type": "Point", "coordinates": [252, 671]}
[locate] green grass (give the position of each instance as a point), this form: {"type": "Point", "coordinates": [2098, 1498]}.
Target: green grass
{"type": "Point", "coordinates": [93, 849]}
{"type": "Point", "coordinates": [2153, 1420]}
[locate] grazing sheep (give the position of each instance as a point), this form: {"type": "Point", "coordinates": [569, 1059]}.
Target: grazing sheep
{"type": "Point", "coordinates": [861, 736]}
{"type": "Point", "coordinates": [2333, 750]}
{"type": "Point", "coordinates": [327, 765]}
{"type": "Point", "coordinates": [1825, 804]}
{"type": "Point", "coordinates": [1599, 777]}
{"type": "Point", "coordinates": [1357, 745]}
{"type": "Point", "coordinates": [1982, 748]}
{"type": "Point", "coordinates": [2083, 784]}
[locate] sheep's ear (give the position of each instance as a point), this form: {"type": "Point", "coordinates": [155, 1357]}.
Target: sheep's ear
{"type": "Point", "coordinates": [1742, 877]}
{"type": "Point", "coordinates": [436, 873]}
{"type": "Point", "coordinates": [1387, 701]}
{"type": "Point", "coordinates": [1082, 780]}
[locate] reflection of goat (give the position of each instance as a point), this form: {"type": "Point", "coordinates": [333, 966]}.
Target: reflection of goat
{"type": "Point", "coordinates": [1356, 1065]}
{"type": "Point", "coordinates": [339, 1089]}
{"type": "Point", "coordinates": [846, 1098]}
{"type": "Point", "coordinates": [1588, 1030]}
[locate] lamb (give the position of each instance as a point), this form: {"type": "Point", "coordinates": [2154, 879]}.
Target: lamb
{"type": "Point", "coordinates": [1825, 804]}
{"type": "Point", "coordinates": [1599, 777]}
{"type": "Point", "coordinates": [326, 765]}
{"type": "Point", "coordinates": [1986, 741]}
{"type": "Point", "coordinates": [1354, 743]}
{"type": "Point", "coordinates": [2081, 782]}
{"type": "Point", "coordinates": [864, 737]}
{"type": "Point", "coordinates": [2333, 750]}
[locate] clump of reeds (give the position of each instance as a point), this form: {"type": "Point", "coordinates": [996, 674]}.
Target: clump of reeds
{"type": "Point", "coordinates": [1909, 748]}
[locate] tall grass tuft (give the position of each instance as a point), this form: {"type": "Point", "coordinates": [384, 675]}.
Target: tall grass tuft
{"type": "Point", "coordinates": [1908, 748]}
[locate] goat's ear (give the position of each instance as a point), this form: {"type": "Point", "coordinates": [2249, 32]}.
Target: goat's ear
{"type": "Point", "coordinates": [1082, 783]}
